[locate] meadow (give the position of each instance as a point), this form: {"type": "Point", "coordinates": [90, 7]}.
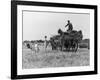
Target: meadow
{"type": "Point", "coordinates": [54, 58]}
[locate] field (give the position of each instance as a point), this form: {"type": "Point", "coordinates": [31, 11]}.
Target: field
{"type": "Point", "coordinates": [54, 58]}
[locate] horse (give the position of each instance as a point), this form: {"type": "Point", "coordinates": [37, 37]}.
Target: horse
{"type": "Point", "coordinates": [55, 42]}
{"type": "Point", "coordinates": [70, 40]}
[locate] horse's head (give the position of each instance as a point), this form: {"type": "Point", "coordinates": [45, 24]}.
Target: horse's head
{"type": "Point", "coordinates": [80, 31]}
{"type": "Point", "coordinates": [60, 31]}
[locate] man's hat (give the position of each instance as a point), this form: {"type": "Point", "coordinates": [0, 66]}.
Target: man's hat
{"type": "Point", "coordinates": [68, 20]}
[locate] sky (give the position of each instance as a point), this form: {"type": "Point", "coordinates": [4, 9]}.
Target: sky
{"type": "Point", "coordinates": [37, 24]}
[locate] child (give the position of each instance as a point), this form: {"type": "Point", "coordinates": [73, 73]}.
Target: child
{"type": "Point", "coordinates": [36, 47]}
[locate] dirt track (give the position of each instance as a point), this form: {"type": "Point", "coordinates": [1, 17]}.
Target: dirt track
{"type": "Point", "coordinates": [55, 58]}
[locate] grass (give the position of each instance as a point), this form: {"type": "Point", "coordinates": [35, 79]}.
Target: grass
{"type": "Point", "coordinates": [50, 58]}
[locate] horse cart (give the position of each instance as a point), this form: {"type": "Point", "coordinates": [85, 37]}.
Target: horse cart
{"type": "Point", "coordinates": [66, 40]}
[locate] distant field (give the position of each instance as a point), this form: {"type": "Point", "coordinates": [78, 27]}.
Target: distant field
{"type": "Point", "coordinates": [50, 58]}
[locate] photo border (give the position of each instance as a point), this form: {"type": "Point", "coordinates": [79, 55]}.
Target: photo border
{"type": "Point", "coordinates": [14, 38]}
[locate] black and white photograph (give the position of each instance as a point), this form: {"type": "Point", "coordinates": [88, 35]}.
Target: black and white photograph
{"type": "Point", "coordinates": [53, 39]}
